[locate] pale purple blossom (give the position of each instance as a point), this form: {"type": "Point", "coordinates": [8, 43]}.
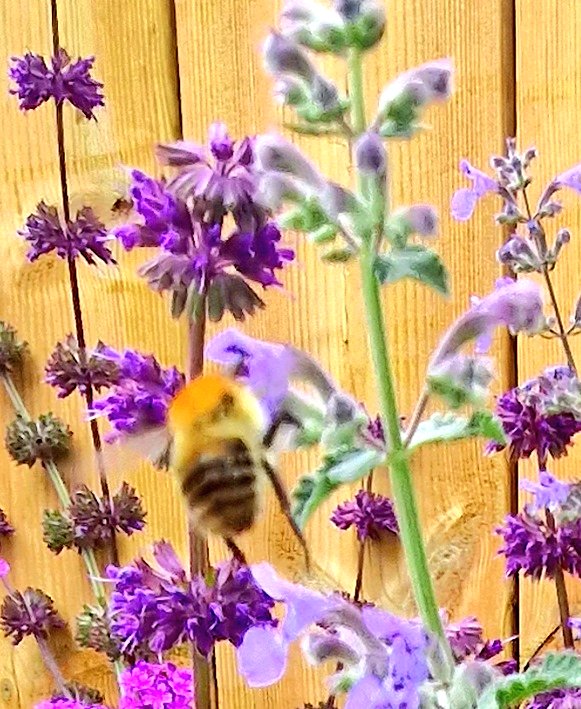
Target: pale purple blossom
{"type": "Point", "coordinates": [465, 199]}
{"type": "Point", "coordinates": [548, 493]}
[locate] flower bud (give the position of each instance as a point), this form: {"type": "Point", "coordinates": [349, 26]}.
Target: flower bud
{"type": "Point", "coordinates": [461, 379]}
{"type": "Point", "coordinates": [370, 155]}
{"type": "Point", "coordinates": [57, 531]}
{"type": "Point", "coordinates": [275, 154]}
{"type": "Point", "coordinates": [518, 254]}
{"type": "Point", "coordinates": [422, 219]}
{"type": "Point", "coordinates": [46, 439]}
{"type": "Point", "coordinates": [283, 56]}
{"type": "Point", "coordinates": [313, 25]}
{"type": "Point", "coordinates": [12, 350]}
{"type": "Point", "coordinates": [365, 21]}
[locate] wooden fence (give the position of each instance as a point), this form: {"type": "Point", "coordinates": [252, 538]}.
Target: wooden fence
{"type": "Point", "coordinates": [169, 69]}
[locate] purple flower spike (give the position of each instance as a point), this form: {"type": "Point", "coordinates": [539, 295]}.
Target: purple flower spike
{"type": "Point", "coordinates": [163, 686]}
{"type": "Point", "coordinates": [370, 514]}
{"type": "Point", "coordinates": [464, 200]}
{"type": "Point", "coordinates": [64, 80]}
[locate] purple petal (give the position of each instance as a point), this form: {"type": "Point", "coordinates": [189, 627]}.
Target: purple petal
{"type": "Point", "coordinates": [463, 203]}
{"type": "Point", "coordinates": [370, 693]}
{"type": "Point", "coordinates": [570, 178]}
{"type": "Point", "coordinates": [262, 656]}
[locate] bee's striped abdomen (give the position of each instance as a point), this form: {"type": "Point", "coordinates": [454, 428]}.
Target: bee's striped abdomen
{"type": "Point", "coordinates": [222, 492]}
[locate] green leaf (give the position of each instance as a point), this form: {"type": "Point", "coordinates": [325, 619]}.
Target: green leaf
{"type": "Point", "coordinates": [312, 129]}
{"type": "Point", "coordinates": [323, 234]}
{"type": "Point", "coordinates": [339, 255]}
{"type": "Point", "coordinates": [558, 670]}
{"type": "Point", "coordinates": [413, 261]}
{"type": "Point", "coordinates": [441, 427]}
{"type": "Point", "coordinates": [342, 466]}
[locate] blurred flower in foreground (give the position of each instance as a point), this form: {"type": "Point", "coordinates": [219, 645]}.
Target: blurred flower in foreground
{"type": "Point", "coordinates": [159, 685]}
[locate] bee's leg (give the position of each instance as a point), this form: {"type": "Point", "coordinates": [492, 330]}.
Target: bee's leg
{"type": "Point", "coordinates": [279, 420]}
{"type": "Point", "coordinates": [283, 498]}
{"type": "Point", "coordinates": [237, 552]}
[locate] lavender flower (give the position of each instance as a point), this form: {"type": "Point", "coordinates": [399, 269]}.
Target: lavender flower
{"type": "Point", "coordinates": [31, 612]}
{"type": "Point", "coordinates": [535, 418]}
{"type": "Point", "coordinates": [536, 549]}
{"type": "Point", "coordinates": [35, 82]}
{"type": "Point", "coordinates": [141, 396]}
{"type": "Point", "coordinates": [12, 350]}
{"type": "Point", "coordinates": [158, 610]}
{"type": "Point", "coordinates": [548, 492]}
{"type": "Point", "coordinates": [195, 259]}
{"type": "Point", "coordinates": [370, 514]}
{"type": "Point", "coordinates": [84, 236]}
{"type": "Point", "coordinates": [159, 685]}
{"type": "Point", "coordinates": [6, 529]}
{"type": "Point", "coordinates": [66, 370]}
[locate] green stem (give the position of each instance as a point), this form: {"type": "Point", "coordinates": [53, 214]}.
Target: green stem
{"type": "Point", "coordinates": [401, 481]}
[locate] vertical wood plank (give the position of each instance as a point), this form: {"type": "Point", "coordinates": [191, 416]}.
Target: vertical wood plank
{"type": "Point", "coordinates": [462, 495]}
{"type": "Point", "coordinates": [548, 101]}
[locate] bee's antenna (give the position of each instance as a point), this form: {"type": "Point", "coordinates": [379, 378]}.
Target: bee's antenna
{"type": "Point", "coordinates": [237, 552]}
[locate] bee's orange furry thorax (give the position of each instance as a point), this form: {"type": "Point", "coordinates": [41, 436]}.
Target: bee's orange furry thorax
{"type": "Point", "coordinates": [199, 398]}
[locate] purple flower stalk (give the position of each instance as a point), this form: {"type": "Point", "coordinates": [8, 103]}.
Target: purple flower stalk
{"type": "Point", "coordinates": [141, 396]}
{"type": "Point", "coordinates": [159, 685]}
{"type": "Point", "coordinates": [370, 513]}
{"type": "Point", "coordinates": [535, 416]}
{"type": "Point", "coordinates": [156, 610]}
{"type": "Point", "coordinates": [84, 236]}
{"type": "Point", "coordinates": [63, 80]}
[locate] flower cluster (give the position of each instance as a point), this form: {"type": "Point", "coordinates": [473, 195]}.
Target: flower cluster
{"type": "Point", "coordinates": [140, 395]}
{"type": "Point", "coordinates": [46, 438]}
{"type": "Point", "coordinates": [184, 218]}
{"type": "Point", "coordinates": [30, 612]}
{"type": "Point", "coordinates": [68, 369]}
{"type": "Point", "coordinates": [12, 350]}
{"type": "Point", "coordinates": [84, 236]}
{"type": "Point", "coordinates": [62, 80]}
{"type": "Point", "coordinates": [163, 686]}
{"type": "Point", "coordinates": [90, 522]}
{"type": "Point", "coordinates": [542, 415]}
{"type": "Point", "coordinates": [158, 609]}
{"type": "Point", "coordinates": [370, 514]}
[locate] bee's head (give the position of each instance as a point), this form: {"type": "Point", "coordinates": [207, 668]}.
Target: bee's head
{"type": "Point", "coordinates": [208, 397]}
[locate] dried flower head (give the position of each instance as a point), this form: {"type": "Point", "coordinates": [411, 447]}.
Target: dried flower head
{"type": "Point", "coordinates": [67, 370]}
{"type": "Point", "coordinates": [31, 612]}
{"type": "Point", "coordinates": [94, 631]}
{"type": "Point", "coordinates": [90, 521]}
{"type": "Point", "coordinates": [6, 529]}
{"type": "Point", "coordinates": [84, 236]}
{"type": "Point", "coordinates": [46, 438]}
{"type": "Point", "coordinates": [159, 685]}
{"type": "Point", "coordinates": [12, 350]}
{"type": "Point", "coordinates": [63, 80]}
{"type": "Point", "coordinates": [370, 514]}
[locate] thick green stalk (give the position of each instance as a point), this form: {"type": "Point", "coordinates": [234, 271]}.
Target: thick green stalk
{"type": "Point", "coordinates": [401, 481]}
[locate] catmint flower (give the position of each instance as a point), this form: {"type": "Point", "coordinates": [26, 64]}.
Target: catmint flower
{"type": "Point", "coordinates": [570, 178]}
{"type": "Point", "coordinates": [66, 371]}
{"type": "Point", "coordinates": [557, 699]}
{"type": "Point", "coordinates": [141, 396]}
{"type": "Point", "coordinates": [370, 513]}
{"type": "Point", "coordinates": [275, 154]}
{"type": "Point", "coordinates": [364, 19]}
{"type": "Point", "coordinates": [536, 549]}
{"type": "Point", "coordinates": [159, 685]}
{"type": "Point", "coordinates": [548, 493]}
{"type": "Point", "coordinates": [421, 219]}
{"type": "Point", "coordinates": [158, 609]}
{"type": "Point", "coordinates": [46, 438]}
{"type": "Point", "coordinates": [221, 176]}
{"type": "Point", "coordinates": [312, 25]}
{"type": "Point", "coordinates": [461, 379]}
{"type": "Point", "coordinates": [6, 529]}
{"type": "Point", "coordinates": [541, 415]}
{"type": "Point", "coordinates": [12, 350]}
{"type": "Point", "coordinates": [84, 236]}
{"type": "Point", "coordinates": [370, 154]}
{"type": "Point", "coordinates": [94, 631]}
{"type": "Point", "coordinates": [63, 80]}
{"type": "Point", "coordinates": [520, 255]}
{"type": "Point", "coordinates": [90, 521]}
{"type": "Point", "coordinates": [31, 612]}
{"type": "Point", "coordinates": [465, 199]}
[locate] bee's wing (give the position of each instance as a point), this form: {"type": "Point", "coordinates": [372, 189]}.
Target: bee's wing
{"type": "Point", "coordinates": [126, 453]}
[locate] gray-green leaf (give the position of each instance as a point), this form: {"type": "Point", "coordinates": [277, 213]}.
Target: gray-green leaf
{"type": "Point", "coordinates": [447, 426]}
{"type": "Point", "coordinates": [413, 261]}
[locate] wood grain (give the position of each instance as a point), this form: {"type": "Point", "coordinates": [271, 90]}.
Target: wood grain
{"type": "Point", "coordinates": [548, 99]}
{"type": "Point", "coordinates": [461, 494]}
